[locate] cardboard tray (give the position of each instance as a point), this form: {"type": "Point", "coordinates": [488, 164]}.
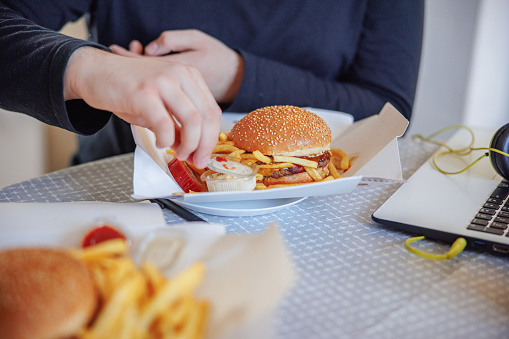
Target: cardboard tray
{"type": "Point", "coordinates": [372, 141]}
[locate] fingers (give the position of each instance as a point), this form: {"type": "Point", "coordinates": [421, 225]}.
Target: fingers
{"type": "Point", "coordinates": [151, 93]}
{"type": "Point", "coordinates": [222, 67]}
{"type": "Point", "coordinates": [124, 52]}
{"type": "Point", "coordinates": [136, 47]}
{"type": "Point", "coordinates": [207, 143]}
{"type": "Point", "coordinates": [191, 126]}
{"type": "Point", "coordinates": [199, 117]}
{"type": "Point", "coordinates": [175, 41]}
{"type": "Point", "coordinates": [211, 120]}
{"type": "Point", "coordinates": [151, 113]}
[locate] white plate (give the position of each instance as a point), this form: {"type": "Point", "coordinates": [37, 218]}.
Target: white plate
{"type": "Point", "coordinates": [241, 208]}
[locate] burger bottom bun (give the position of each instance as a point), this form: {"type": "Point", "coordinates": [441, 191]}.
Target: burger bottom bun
{"type": "Point", "coordinates": [299, 178]}
{"type": "Point", "coordinates": [44, 293]}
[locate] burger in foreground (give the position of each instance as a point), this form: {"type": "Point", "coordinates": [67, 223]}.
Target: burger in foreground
{"type": "Point", "coordinates": [94, 293]}
{"type": "Point", "coordinates": [44, 293]}
{"type": "Point", "coordinates": [281, 132]}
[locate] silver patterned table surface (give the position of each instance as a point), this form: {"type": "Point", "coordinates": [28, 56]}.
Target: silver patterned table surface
{"type": "Point", "coordinates": [355, 278]}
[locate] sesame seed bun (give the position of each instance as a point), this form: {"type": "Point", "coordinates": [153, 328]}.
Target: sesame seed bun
{"type": "Point", "coordinates": [282, 130]}
{"type": "Point", "coordinates": [44, 293]}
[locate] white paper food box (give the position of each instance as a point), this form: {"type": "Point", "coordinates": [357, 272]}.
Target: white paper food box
{"type": "Point", "coordinates": [372, 141]}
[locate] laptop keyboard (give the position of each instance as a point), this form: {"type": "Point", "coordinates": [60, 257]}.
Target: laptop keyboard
{"type": "Point", "coordinates": [493, 217]}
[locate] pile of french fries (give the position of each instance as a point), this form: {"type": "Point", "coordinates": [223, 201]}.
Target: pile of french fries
{"type": "Point", "coordinates": [339, 163]}
{"type": "Point", "coordinates": [139, 302]}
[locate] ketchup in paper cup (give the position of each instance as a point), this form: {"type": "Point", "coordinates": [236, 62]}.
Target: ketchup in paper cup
{"type": "Point", "coordinates": [185, 176]}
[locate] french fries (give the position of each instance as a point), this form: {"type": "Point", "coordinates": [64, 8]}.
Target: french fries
{"type": "Point", "coordinates": [198, 171]}
{"type": "Point", "coordinates": [223, 137]}
{"type": "Point", "coordinates": [277, 165]}
{"type": "Point", "coordinates": [333, 170]}
{"type": "Point", "coordinates": [248, 156]}
{"type": "Point", "coordinates": [284, 185]}
{"type": "Point", "coordinates": [224, 148]}
{"type": "Point", "coordinates": [313, 173]}
{"type": "Point", "coordinates": [344, 160]}
{"type": "Point", "coordinates": [339, 162]}
{"type": "Point", "coordinates": [267, 165]}
{"type": "Point", "coordinates": [139, 302]}
{"type": "Point", "coordinates": [298, 161]}
{"type": "Point", "coordinates": [237, 154]}
{"type": "Point", "coordinates": [263, 158]}
{"type": "Point", "coordinates": [260, 186]}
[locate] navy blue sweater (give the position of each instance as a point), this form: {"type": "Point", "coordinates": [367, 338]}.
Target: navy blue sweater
{"type": "Point", "coordinates": [346, 55]}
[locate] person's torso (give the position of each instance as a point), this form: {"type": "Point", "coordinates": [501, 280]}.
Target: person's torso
{"type": "Point", "coordinates": [309, 34]}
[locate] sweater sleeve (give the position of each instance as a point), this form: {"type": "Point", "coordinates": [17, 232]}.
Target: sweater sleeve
{"type": "Point", "coordinates": [34, 58]}
{"type": "Point", "coordinates": [385, 69]}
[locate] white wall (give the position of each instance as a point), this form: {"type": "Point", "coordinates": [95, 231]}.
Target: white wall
{"type": "Point", "coordinates": [449, 27]}
{"type": "Point", "coordinates": [487, 101]}
{"type": "Point", "coordinates": [464, 75]}
{"type": "Point", "coordinates": [22, 150]}
{"type": "Point", "coordinates": [28, 148]}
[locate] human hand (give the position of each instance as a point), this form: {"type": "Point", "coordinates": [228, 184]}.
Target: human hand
{"type": "Point", "coordinates": [221, 67]}
{"type": "Point", "coordinates": [151, 93]}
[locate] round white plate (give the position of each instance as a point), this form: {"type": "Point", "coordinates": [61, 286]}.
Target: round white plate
{"type": "Point", "coordinates": [241, 208]}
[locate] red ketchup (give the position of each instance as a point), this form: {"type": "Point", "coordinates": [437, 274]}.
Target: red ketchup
{"type": "Point", "coordinates": [185, 176]}
{"type": "Point", "coordinates": [100, 234]}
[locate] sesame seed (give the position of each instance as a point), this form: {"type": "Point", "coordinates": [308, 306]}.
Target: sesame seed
{"type": "Point", "coordinates": [274, 124]}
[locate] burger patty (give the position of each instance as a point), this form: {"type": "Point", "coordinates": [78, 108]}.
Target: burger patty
{"type": "Point", "coordinates": [322, 160]}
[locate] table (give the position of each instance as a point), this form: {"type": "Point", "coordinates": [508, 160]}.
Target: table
{"type": "Point", "coordinates": [355, 278]}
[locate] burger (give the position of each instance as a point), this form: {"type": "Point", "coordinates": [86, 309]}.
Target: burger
{"type": "Point", "coordinates": [44, 293]}
{"type": "Point", "coordinates": [285, 131]}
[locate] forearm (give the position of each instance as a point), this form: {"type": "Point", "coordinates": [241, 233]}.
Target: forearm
{"type": "Point", "coordinates": [34, 60]}
{"type": "Point", "coordinates": [268, 82]}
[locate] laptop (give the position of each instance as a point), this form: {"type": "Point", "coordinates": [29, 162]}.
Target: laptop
{"type": "Point", "coordinates": [473, 205]}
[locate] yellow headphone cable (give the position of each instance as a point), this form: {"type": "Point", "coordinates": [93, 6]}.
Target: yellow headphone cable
{"type": "Point", "coordinates": [459, 245]}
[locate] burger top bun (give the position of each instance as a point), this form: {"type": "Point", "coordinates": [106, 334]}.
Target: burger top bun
{"type": "Point", "coordinates": [282, 130]}
{"type": "Point", "coordinates": [44, 293]}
